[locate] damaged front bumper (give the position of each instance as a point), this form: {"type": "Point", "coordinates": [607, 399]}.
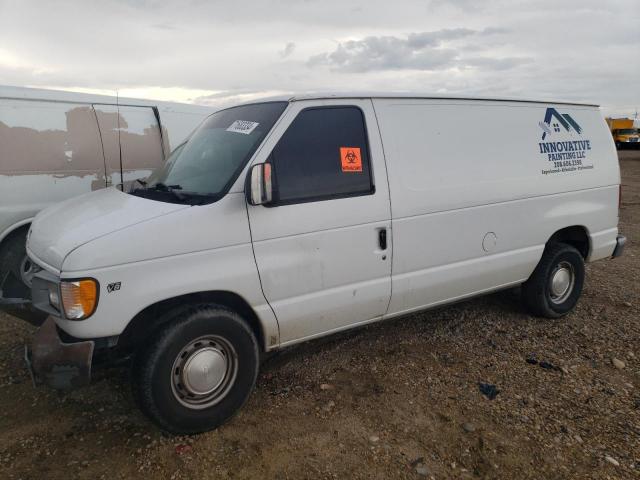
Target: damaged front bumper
{"type": "Point", "coordinates": [62, 366]}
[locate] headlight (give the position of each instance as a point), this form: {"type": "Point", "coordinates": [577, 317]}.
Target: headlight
{"type": "Point", "coordinates": [79, 298]}
{"type": "Point", "coordinates": [54, 296]}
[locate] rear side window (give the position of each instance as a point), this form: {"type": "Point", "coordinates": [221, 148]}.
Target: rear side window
{"type": "Point", "coordinates": [323, 154]}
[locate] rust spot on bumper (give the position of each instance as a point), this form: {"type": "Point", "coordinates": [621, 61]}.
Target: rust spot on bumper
{"type": "Point", "coordinates": [62, 366]}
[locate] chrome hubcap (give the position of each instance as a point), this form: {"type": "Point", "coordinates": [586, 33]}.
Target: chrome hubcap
{"type": "Point", "coordinates": [562, 281]}
{"type": "Point", "coordinates": [204, 372]}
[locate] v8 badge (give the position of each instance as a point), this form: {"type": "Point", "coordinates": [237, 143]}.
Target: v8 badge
{"type": "Point", "coordinates": [113, 287]}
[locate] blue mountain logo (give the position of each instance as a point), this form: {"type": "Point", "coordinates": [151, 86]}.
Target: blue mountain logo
{"type": "Point", "coordinates": [553, 120]}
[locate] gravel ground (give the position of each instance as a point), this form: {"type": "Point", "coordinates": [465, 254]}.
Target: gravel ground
{"type": "Point", "coordinates": [394, 400]}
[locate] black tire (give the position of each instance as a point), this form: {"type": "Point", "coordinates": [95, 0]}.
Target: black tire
{"type": "Point", "coordinates": [537, 293]}
{"type": "Point", "coordinates": [157, 386]}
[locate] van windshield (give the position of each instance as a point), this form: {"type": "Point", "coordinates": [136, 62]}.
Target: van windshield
{"type": "Point", "coordinates": [204, 168]}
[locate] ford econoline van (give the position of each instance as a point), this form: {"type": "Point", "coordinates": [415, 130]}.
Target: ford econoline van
{"type": "Point", "coordinates": [56, 145]}
{"type": "Point", "coordinates": [286, 220]}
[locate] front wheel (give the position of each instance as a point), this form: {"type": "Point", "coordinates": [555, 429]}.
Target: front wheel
{"type": "Point", "coordinates": [197, 371]}
{"type": "Point", "coordinates": [554, 287]}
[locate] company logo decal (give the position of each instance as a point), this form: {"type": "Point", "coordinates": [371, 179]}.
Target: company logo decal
{"type": "Point", "coordinates": [565, 121]}
{"type": "Point", "coordinates": [565, 147]}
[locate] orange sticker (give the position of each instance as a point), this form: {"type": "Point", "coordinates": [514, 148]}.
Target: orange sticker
{"type": "Point", "coordinates": [351, 159]}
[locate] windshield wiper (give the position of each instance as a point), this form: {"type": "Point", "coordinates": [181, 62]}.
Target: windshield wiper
{"type": "Point", "coordinates": [141, 182]}
{"type": "Point", "coordinates": [161, 187]}
{"type": "Point", "coordinates": [170, 187]}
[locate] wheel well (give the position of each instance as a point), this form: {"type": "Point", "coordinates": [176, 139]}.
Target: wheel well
{"type": "Point", "coordinates": [575, 236]}
{"type": "Point", "coordinates": [21, 230]}
{"type": "Point", "coordinates": [152, 317]}
{"type": "Point", "coordinates": [7, 245]}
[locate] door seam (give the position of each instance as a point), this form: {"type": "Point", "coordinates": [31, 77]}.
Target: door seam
{"type": "Point", "coordinates": [104, 158]}
{"type": "Point", "coordinates": [264, 295]}
{"type": "Point", "coordinates": [386, 167]}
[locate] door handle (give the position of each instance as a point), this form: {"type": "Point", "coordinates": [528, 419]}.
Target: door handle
{"type": "Point", "coordinates": [382, 238]}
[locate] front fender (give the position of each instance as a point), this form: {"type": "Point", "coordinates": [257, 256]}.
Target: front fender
{"type": "Point", "coordinates": [146, 283]}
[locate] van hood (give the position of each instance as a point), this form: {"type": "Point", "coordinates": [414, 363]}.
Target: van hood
{"type": "Point", "coordinates": [61, 228]}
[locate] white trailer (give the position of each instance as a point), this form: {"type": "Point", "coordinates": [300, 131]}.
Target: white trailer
{"type": "Point", "coordinates": [55, 145]}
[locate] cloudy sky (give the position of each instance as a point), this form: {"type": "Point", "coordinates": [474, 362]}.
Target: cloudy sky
{"type": "Point", "coordinates": [217, 53]}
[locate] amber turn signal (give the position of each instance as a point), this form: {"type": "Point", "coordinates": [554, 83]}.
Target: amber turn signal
{"type": "Point", "coordinates": [79, 298]}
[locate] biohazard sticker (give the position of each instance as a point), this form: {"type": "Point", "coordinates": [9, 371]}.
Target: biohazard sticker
{"type": "Point", "coordinates": [242, 126]}
{"type": "Point", "coordinates": [350, 159]}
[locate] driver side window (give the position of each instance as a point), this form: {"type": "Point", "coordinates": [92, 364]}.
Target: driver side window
{"type": "Point", "coordinates": [324, 154]}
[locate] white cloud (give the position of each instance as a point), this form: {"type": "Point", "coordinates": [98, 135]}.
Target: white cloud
{"type": "Point", "coordinates": [207, 51]}
{"type": "Point", "coordinates": [437, 50]}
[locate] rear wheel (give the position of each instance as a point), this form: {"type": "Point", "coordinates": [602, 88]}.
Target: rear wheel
{"type": "Point", "coordinates": [556, 284]}
{"type": "Point", "coordinates": [197, 371]}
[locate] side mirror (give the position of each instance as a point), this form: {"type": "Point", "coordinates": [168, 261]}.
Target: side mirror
{"type": "Point", "coordinates": [260, 190]}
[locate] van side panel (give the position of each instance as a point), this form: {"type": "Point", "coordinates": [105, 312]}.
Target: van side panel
{"type": "Point", "coordinates": [440, 256]}
{"type": "Point", "coordinates": [444, 156]}
{"type": "Point", "coordinates": [475, 194]}
{"type": "Point", "coordinates": [49, 151]}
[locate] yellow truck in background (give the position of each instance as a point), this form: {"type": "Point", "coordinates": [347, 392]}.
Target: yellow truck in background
{"type": "Point", "coordinates": [624, 133]}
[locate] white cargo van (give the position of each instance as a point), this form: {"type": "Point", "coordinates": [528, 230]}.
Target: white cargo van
{"type": "Point", "coordinates": [56, 145]}
{"type": "Point", "coordinates": [287, 220]}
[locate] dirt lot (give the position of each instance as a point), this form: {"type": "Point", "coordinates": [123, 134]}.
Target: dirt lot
{"type": "Point", "coordinates": [394, 400]}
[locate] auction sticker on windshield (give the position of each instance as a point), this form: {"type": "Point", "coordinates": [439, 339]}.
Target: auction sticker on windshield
{"type": "Point", "coordinates": [243, 126]}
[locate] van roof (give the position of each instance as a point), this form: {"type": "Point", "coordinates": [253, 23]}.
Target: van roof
{"type": "Point", "coordinates": [68, 96]}
{"type": "Point", "coordinates": [416, 95]}
{"type": "Point", "coordinates": [26, 93]}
